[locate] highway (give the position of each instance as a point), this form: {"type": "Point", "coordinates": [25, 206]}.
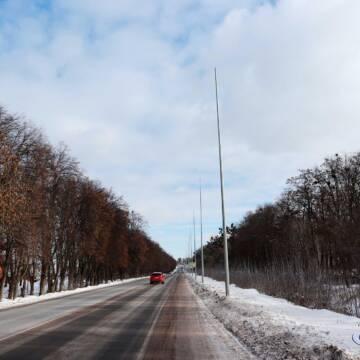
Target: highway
{"type": "Point", "coordinates": [128, 321]}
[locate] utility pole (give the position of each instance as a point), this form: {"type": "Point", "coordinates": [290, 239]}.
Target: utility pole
{"type": "Point", "coordinates": [194, 245]}
{"type": "Point", "coordinates": [191, 253]}
{"type": "Point", "coordinates": [226, 258]}
{"type": "Point", "coordinates": [201, 238]}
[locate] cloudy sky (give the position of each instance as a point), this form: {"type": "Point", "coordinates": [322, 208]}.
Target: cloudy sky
{"type": "Point", "coordinates": [129, 86]}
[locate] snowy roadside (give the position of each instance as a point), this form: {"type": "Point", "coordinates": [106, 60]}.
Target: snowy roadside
{"type": "Point", "coordinates": [5, 303]}
{"type": "Point", "coordinates": [274, 328]}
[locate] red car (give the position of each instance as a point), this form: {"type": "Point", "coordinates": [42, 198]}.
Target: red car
{"type": "Point", "coordinates": [157, 277]}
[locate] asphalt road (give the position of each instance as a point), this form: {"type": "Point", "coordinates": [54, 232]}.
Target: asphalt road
{"type": "Point", "coordinates": [129, 321]}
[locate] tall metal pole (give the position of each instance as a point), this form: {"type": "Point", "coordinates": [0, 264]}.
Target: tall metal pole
{"type": "Point", "coordinates": [201, 238]}
{"type": "Point", "coordinates": [194, 245]}
{"type": "Point", "coordinates": [189, 254]}
{"type": "Point", "coordinates": [226, 258]}
{"type": "Point", "coordinates": [190, 257]}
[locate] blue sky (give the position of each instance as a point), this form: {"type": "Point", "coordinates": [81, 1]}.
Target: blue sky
{"type": "Point", "coordinates": [129, 87]}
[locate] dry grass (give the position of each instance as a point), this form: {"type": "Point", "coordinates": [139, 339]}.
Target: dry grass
{"type": "Point", "coordinates": [311, 288]}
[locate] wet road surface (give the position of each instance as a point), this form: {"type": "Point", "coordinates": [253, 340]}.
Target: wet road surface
{"type": "Point", "coordinates": [129, 321]}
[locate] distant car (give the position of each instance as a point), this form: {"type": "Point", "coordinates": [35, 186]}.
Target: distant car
{"type": "Point", "coordinates": [157, 277]}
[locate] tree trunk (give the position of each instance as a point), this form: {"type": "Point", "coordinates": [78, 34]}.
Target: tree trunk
{"type": "Point", "coordinates": [43, 278]}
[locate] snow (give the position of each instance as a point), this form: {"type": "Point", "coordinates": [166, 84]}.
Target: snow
{"type": "Point", "coordinates": [5, 303]}
{"type": "Point", "coordinates": [277, 327]}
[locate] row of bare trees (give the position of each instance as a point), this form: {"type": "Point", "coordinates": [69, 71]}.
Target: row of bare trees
{"type": "Point", "coordinates": [311, 234]}
{"type": "Point", "coordinates": [57, 226]}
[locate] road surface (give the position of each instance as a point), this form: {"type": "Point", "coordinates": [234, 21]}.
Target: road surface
{"type": "Point", "coordinates": [128, 321]}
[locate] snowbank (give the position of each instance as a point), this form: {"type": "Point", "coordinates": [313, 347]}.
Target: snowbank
{"type": "Point", "coordinates": [5, 303]}
{"type": "Point", "coordinates": [274, 328]}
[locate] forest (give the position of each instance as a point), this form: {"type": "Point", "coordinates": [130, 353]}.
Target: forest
{"type": "Point", "coordinates": [58, 228]}
{"type": "Point", "coordinates": [306, 245]}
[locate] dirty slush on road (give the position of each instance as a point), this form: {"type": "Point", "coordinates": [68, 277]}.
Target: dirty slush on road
{"type": "Point", "coordinates": [186, 329]}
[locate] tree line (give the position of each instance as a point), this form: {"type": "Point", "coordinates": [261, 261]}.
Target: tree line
{"type": "Point", "coordinates": [311, 231]}
{"type": "Point", "coordinates": [59, 227]}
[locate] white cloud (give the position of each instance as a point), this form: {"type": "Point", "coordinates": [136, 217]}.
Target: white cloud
{"type": "Point", "coordinates": [110, 9]}
{"type": "Point", "coordinates": [130, 88]}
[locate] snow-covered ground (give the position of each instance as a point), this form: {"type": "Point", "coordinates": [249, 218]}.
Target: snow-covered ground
{"type": "Point", "coordinates": [5, 303]}
{"type": "Point", "coordinates": [274, 328]}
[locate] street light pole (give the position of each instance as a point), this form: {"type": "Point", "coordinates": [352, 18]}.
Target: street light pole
{"type": "Point", "coordinates": [226, 258]}
{"type": "Point", "coordinates": [194, 245]}
{"type": "Point", "coordinates": [201, 238]}
{"type": "Point", "coordinates": [189, 255]}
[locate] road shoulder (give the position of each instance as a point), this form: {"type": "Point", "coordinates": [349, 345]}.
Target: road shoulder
{"type": "Point", "coordinates": [266, 336]}
{"type": "Point", "coordinates": [187, 330]}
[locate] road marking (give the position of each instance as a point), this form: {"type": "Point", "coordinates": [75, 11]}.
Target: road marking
{"type": "Point", "coordinates": [30, 328]}
{"type": "Point", "coordinates": [59, 294]}
{"type": "Point", "coordinates": [220, 326]}
{"type": "Point", "coordinates": [141, 353]}
{"type": "Point", "coordinates": [44, 323]}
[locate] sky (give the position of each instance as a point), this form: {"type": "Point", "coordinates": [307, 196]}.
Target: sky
{"type": "Point", "coordinates": [129, 87]}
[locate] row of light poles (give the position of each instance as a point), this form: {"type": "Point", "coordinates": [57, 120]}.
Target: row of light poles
{"type": "Point", "coordinates": [224, 235]}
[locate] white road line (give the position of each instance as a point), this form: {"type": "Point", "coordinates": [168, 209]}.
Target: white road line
{"type": "Point", "coordinates": [16, 333]}
{"type": "Point", "coordinates": [31, 328]}
{"type": "Point", "coordinates": [141, 353]}
{"type": "Point", "coordinates": [66, 293]}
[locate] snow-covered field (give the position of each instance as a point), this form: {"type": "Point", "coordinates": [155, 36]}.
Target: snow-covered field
{"type": "Point", "coordinates": [274, 328]}
{"type": "Point", "coordinates": [5, 303]}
